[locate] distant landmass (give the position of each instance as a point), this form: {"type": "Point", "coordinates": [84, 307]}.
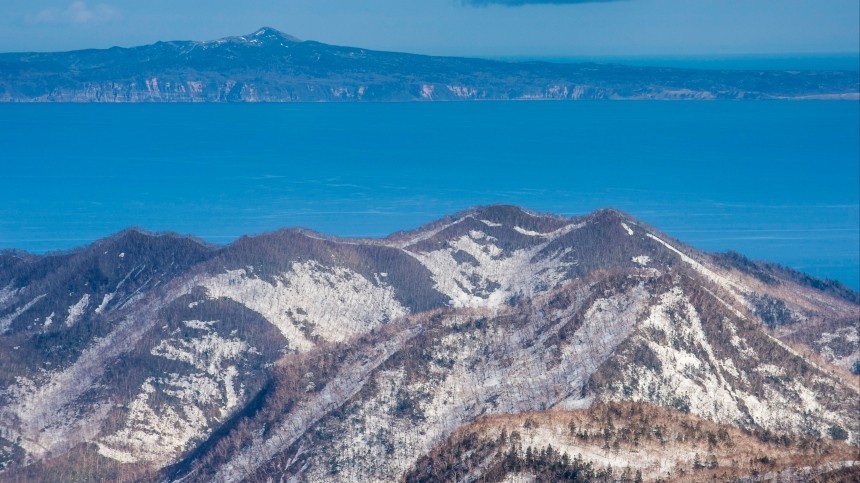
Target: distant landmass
{"type": "Point", "coordinates": [270, 66]}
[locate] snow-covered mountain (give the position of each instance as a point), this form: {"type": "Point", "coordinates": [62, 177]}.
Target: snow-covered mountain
{"type": "Point", "coordinates": [270, 66]}
{"type": "Point", "coordinates": [297, 356]}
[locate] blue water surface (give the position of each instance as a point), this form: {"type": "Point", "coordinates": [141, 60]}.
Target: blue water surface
{"type": "Point", "coordinates": [778, 181]}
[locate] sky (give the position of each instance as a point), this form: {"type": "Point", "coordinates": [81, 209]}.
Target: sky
{"type": "Point", "coordinates": [452, 27]}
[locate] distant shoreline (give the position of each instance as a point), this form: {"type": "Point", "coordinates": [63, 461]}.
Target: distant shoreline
{"type": "Point", "coordinates": [773, 62]}
{"type": "Point", "coordinates": [270, 66]}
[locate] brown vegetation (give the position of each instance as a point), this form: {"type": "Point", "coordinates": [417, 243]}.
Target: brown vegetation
{"type": "Point", "coordinates": [625, 441]}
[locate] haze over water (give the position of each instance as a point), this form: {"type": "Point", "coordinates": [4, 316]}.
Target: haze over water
{"type": "Point", "coordinates": [778, 181]}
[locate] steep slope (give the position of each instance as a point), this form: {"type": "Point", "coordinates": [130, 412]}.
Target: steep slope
{"type": "Point", "coordinates": [292, 353]}
{"type": "Point", "coordinates": [557, 352]}
{"type": "Point", "coordinates": [66, 317]}
{"type": "Point", "coordinates": [269, 66]}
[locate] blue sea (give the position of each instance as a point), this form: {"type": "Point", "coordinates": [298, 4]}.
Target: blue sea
{"type": "Point", "coordinates": [778, 181]}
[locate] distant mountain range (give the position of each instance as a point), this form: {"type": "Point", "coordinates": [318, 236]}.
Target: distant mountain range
{"type": "Point", "coordinates": [270, 66]}
{"type": "Point", "coordinates": [497, 344]}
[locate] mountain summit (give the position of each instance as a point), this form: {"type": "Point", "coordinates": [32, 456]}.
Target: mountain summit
{"type": "Point", "coordinates": [236, 69]}
{"type": "Point", "coordinates": [496, 343]}
{"type": "Point", "coordinates": [273, 34]}
{"type": "Point", "coordinates": [263, 36]}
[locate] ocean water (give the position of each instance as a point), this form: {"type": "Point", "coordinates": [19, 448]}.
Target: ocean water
{"type": "Point", "coordinates": [778, 181]}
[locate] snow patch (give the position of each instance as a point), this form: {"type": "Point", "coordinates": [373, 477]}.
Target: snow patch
{"type": "Point", "coordinates": [519, 478]}
{"type": "Point", "coordinates": [683, 376]}
{"type": "Point", "coordinates": [158, 430]}
{"type": "Point", "coordinates": [478, 235]}
{"type": "Point", "coordinates": [770, 370]}
{"type": "Point", "coordinates": [105, 301]}
{"type": "Point", "coordinates": [206, 353]}
{"type": "Point", "coordinates": [689, 375]}
{"type": "Point", "coordinates": [333, 303]}
{"type": "Point", "coordinates": [627, 228]}
{"type": "Point", "coordinates": [153, 435]}
{"type": "Point", "coordinates": [199, 324]}
{"type": "Point", "coordinates": [48, 414]}
{"type": "Point", "coordinates": [76, 311]}
{"type": "Point", "coordinates": [738, 343]}
{"type": "Point", "coordinates": [851, 335]}
{"type": "Point", "coordinates": [7, 295]}
{"type": "Point", "coordinates": [497, 276]}
{"type": "Point", "coordinates": [642, 260]}
{"type": "Point", "coordinates": [527, 232]}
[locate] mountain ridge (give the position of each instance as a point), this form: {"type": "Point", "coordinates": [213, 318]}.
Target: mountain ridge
{"type": "Point", "coordinates": [159, 359]}
{"type": "Point", "coordinates": [282, 68]}
{"type": "Point", "coordinates": [730, 257]}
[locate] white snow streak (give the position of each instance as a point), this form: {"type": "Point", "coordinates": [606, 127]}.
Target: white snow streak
{"type": "Point", "coordinates": [527, 232]}
{"type": "Point", "coordinates": [76, 311]}
{"type": "Point", "coordinates": [723, 282]}
{"type": "Point", "coordinates": [105, 301]}
{"type": "Point", "coordinates": [429, 233]}
{"type": "Point", "coordinates": [7, 320]}
{"type": "Point", "coordinates": [627, 228]}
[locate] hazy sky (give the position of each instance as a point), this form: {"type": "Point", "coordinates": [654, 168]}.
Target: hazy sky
{"type": "Point", "coordinates": [466, 27]}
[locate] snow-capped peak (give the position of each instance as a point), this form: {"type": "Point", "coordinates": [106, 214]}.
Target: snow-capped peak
{"type": "Point", "coordinates": [271, 33]}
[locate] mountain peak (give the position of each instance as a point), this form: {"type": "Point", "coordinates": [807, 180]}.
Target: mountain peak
{"type": "Point", "coordinates": [263, 36]}
{"type": "Point", "coordinates": [512, 216]}
{"type": "Point", "coordinates": [269, 33]}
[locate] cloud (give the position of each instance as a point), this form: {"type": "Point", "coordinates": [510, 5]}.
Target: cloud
{"type": "Point", "coordinates": [78, 13]}
{"type": "Point", "coordinates": [517, 3]}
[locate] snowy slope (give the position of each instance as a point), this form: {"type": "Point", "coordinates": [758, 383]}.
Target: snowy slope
{"type": "Point", "coordinates": [157, 356]}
